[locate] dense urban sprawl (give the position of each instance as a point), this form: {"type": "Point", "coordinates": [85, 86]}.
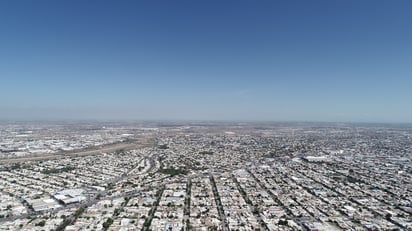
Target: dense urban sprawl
{"type": "Point", "coordinates": [206, 176]}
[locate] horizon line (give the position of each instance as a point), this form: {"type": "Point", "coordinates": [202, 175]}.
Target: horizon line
{"type": "Point", "coordinates": [78, 120]}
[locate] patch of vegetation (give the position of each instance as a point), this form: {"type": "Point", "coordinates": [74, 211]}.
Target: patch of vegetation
{"type": "Point", "coordinates": [15, 166]}
{"type": "Point", "coordinates": [31, 219]}
{"type": "Point", "coordinates": [163, 146]}
{"type": "Point", "coordinates": [67, 221]}
{"type": "Point", "coordinates": [41, 223]}
{"type": "Point", "coordinates": [173, 171]}
{"type": "Point", "coordinates": [283, 222]}
{"type": "Point", "coordinates": [78, 212]}
{"type": "Point", "coordinates": [58, 170]}
{"type": "Point", "coordinates": [107, 223]}
{"type": "Point", "coordinates": [116, 212]}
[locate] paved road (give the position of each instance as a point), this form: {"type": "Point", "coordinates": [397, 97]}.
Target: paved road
{"type": "Point", "coordinates": [219, 203]}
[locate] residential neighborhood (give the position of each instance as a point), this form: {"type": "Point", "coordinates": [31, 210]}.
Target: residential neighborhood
{"type": "Point", "coordinates": [216, 177]}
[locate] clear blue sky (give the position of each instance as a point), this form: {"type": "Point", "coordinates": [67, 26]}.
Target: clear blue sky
{"type": "Point", "coordinates": [331, 60]}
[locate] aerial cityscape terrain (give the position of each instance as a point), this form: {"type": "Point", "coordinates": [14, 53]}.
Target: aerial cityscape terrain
{"type": "Point", "coordinates": [206, 115]}
{"type": "Point", "coordinates": [205, 176]}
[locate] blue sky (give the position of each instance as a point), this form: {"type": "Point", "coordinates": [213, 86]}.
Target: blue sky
{"type": "Point", "coordinates": [206, 60]}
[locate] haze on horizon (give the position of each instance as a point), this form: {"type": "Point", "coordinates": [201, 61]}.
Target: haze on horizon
{"type": "Point", "coordinates": [343, 61]}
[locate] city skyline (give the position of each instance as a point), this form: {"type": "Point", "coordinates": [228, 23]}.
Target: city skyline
{"type": "Point", "coordinates": [347, 61]}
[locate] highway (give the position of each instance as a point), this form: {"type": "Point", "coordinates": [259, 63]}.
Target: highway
{"type": "Point", "coordinates": [110, 148]}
